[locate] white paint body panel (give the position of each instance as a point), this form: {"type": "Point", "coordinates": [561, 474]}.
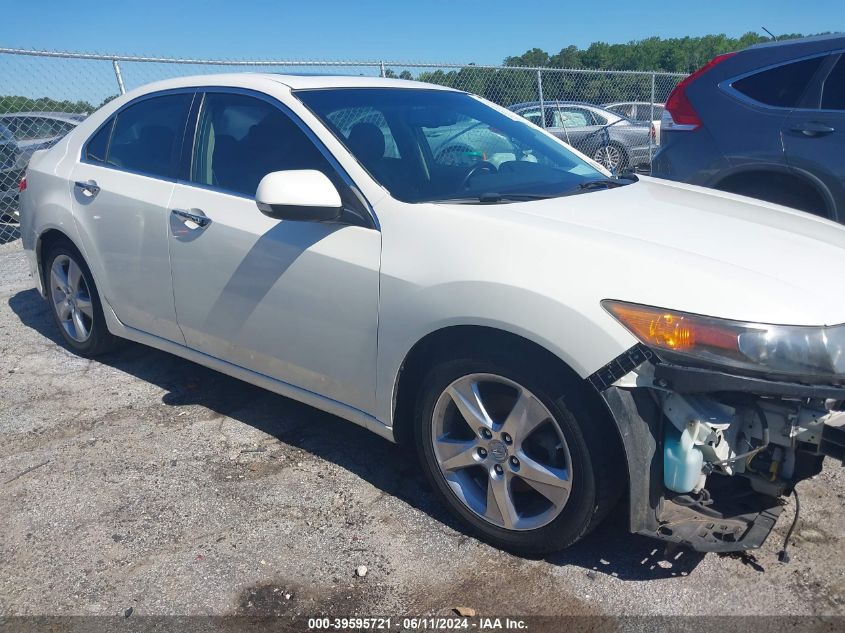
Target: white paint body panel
{"type": "Point", "coordinates": [327, 314]}
{"type": "Point", "coordinates": [297, 301]}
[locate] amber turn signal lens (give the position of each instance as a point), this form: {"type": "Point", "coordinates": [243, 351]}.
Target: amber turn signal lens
{"type": "Point", "coordinates": [670, 330]}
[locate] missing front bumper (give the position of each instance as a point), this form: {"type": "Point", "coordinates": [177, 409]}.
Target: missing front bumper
{"type": "Point", "coordinates": [739, 516]}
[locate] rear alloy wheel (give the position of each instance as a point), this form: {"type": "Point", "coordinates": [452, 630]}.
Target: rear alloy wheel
{"type": "Point", "coordinates": [525, 471]}
{"type": "Point", "coordinates": [75, 304]}
{"type": "Point", "coordinates": [71, 298]}
{"type": "Point", "coordinates": [610, 157]}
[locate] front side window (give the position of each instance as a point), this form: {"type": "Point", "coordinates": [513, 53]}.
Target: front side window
{"type": "Point", "coordinates": [147, 135]}
{"type": "Point", "coordinates": [571, 117]}
{"type": "Point", "coordinates": [833, 90]}
{"type": "Point", "coordinates": [240, 139]}
{"type": "Point", "coordinates": [451, 146]}
{"type": "Point", "coordinates": [782, 86]}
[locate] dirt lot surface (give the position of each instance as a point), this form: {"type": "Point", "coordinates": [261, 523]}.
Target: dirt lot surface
{"type": "Point", "coordinates": [147, 482]}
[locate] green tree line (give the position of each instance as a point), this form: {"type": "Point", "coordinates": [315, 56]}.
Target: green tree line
{"type": "Point", "coordinates": [17, 103]}
{"type": "Point", "coordinates": [672, 55]}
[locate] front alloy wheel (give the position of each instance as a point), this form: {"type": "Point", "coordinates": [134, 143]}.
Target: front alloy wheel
{"type": "Point", "coordinates": [501, 452]}
{"type": "Point", "coordinates": [517, 450]}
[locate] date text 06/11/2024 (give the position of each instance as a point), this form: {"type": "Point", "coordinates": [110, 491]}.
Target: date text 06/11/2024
{"type": "Point", "coordinates": [432, 623]}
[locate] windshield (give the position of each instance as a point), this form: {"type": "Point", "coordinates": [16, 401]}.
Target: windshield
{"type": "Point", "coordinates": [430, 145]}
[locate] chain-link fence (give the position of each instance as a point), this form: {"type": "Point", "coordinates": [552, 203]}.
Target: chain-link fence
{"type": "Point", "coordinates": [612, 116]}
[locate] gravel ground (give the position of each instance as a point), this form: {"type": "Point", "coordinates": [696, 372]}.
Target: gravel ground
{"type": "Point", "coordinates": [144, 481]}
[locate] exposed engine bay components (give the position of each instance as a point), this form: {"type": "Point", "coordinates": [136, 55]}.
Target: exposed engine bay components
{"type": "Point", "coordinates": [741, 434]}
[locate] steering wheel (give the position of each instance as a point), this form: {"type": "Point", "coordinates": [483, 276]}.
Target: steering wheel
{"type": "Point", "coordinates": [478, 167]}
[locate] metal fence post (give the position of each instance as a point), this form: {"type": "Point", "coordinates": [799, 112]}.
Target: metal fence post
{"type": "Point", "coordinates": [540, 95]}
{"type": "Point", "coordinates": [651, 118]}
{"type": "Point", "coordinates": [383, 70]}
{"type": "Point", "coordinates": [118, 76]}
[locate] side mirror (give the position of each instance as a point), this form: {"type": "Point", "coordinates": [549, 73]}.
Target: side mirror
{"type": "Point", "coordinates": [299, 194]}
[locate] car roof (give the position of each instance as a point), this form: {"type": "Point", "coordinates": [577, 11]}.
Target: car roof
{"type": "Point", "coordinates": [71, 117]}
{"type": "Point", "coordinates": [528, 104]}
{"type": "Point", "coordinates": [305, 82]}
{"type": "Point", "coordinates": [584, 104]}
{"type": "Point", "coordinates": [834, 40]}
{"type": "Point", "coordinates": [619, 103]}
{"type": "Point", "coordinates": [294, 82]}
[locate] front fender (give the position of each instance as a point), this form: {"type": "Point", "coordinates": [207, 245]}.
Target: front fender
{"type": "Point", "coordinates": [411, 315]}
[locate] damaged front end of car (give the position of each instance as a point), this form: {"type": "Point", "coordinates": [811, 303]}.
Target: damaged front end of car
{"type": "Point", "coordinates": [720, 420]}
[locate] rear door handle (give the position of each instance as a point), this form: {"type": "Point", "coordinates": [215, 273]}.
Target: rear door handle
{"type": "Point", "coordinates": [195, 216]}
{"type": "Point", "coordinates": [89, 189]}
{"type": "Point", "coordinates": [813, 128]}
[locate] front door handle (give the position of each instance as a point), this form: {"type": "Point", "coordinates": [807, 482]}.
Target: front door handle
{"type": "Point", "coordinates": [195, 216]}
{"type": "Point", "coordinates": [813, 128]}
{"type": "Point", "coordinates": [89, 189]}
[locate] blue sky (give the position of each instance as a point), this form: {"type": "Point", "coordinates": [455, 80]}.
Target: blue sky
{"type": "Point", "coordinates": [482, 31]}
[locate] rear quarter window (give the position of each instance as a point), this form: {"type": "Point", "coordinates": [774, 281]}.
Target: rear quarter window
{"type": "Point", "coordinates": [97, 146]}
{"type": "Point", "coordinates": [781, 86]}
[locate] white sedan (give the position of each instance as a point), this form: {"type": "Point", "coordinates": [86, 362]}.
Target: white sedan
{"type": "Point", "coordinates": [550, 338]}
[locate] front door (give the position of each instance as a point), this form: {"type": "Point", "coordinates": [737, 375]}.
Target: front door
{"type": "Point", "coordinates": [296, 301]}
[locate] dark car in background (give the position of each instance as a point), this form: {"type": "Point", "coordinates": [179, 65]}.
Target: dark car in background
{"type": "Point", "coordinates": [606, 137]}
{"type": "Point", "coordinates": [10, 173]}
{"type": "Point", "coordinates": [766, 122]}
{"type": "Point", "coordinates": [39, 130]}
{"type": "Point", "coordinates": [21, 134]}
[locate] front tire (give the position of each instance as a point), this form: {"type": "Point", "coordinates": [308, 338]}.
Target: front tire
{"type": "Point", "coordinates": [75, 303]}
{"type": "Point", "coordinates": [515, 455]}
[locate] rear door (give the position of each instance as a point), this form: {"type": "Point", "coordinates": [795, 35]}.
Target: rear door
{"type": "Point", "coordinates": [751, 134]}
{"type": "Point", "coordinates": [814, 134]}
{"type": "Point", "coordinates": [121, 193]}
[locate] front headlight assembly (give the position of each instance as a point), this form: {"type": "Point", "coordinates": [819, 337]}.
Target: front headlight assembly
{"type": "Point", "coordinates": [800, 352]}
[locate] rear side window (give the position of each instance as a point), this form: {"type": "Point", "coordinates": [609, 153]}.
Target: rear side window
{"type": "Point", "coordinates": [644, 112]}
{"type": "Point", "coordinates": [782, 86]}
{"type": "Point", "coordinates": [833, 90]}
{"type": "Point", "coordinates": [147, 136]}
{"type": "Point", "coordinates": [95, 150]}
{"type": "Point", "coordinates": [241, 139]}
{"type": "Point", "coordinates": [626, 110]}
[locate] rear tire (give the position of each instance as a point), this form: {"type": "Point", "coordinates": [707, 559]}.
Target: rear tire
{"type": "Point", "coordinates": [575, 440]}
{"type": "Point", "coordinates": [75, 303]}
{"type": "Point", "coordinates": [613, 157]}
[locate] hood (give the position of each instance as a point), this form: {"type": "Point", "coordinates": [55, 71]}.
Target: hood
{"type": "Point", "coordinates": [698, 250]}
